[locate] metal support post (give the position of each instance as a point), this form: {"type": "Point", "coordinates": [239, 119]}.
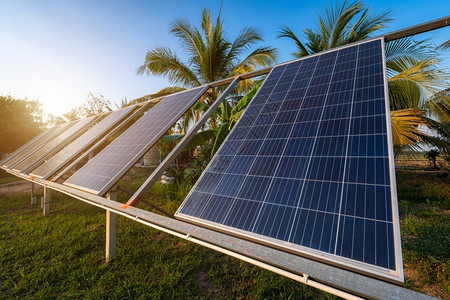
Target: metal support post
{"type": "Point", "coordinates": [111, 229]}
{"type": "Point", "coordinates": [33, 197]}
{"type": "Point", "coordinates": [46, 203]}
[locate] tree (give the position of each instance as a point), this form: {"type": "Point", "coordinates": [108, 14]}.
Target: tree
{"type": "Point", "coordinates": [20, 121]}
{"type": "Point", "coordinates": [94, 105]}
{"type": "Point", "coordinates": [432, 155]}
{"type": "Point", "coordinates": [210, 57]}
{"type": "Point", "coordinates": [340, 25]}
{"type": "Point", "coordinates": [414, 79]}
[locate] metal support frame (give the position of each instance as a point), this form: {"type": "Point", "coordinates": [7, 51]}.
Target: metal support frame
{"type": "Point", "coordinates": [40, 160]}
{"type": "Point", "coordinates": [33, 197]}
{"type": "Point", "coordinates": [111, 222]}
{"type": "Point", "coordinates": [26, 145]}
{"type": "Point", "coordinates": [151, 180]}
{"type": "Point", "coordinates": [332, 279]}
{"type": "Point", "coordinates": [417, 29]}
{"type": "Point", "coordinates": [47, 199]}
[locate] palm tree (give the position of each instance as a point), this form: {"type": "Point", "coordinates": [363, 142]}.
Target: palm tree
{"type": "Point", "coordinates": [210, 56]}
{"type": "Point", "coordinates": [415, 82]}
{"type": "Point", "coordinates": [340, 25]}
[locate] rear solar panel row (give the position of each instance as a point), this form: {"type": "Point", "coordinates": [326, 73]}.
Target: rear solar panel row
{"type": "Point", "coordinates": [108, 166]}
{"type": "Point", "coordinates": [29, 144]}
{"type": "Point", "coordinates": [49, 135]}
{"type": "Point", "coordinates": [60, 159]}
{"type": "Point", "coordinates": [308, 167]}
{"type": "Point", "coordinates": [56, 142]}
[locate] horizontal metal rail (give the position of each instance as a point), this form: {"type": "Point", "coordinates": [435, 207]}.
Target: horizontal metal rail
{"type": "Point", "coordinates": [417, 29]}
{"type": "Point", "coordinates": [338, 281]}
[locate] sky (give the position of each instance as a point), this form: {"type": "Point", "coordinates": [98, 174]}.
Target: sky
{"type": "Point", "coordinates": [59, 51]}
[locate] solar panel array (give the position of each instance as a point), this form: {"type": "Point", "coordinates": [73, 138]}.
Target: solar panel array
{"type": "Point", "coordinates": [26, 145]}
{"type": "Point", "coordinates": [307, 167]}
{"type": "Point", "coordinates": [54, 143]}
{"type": "Point", "coordinates": [58, 160]}
{"type": "Point", "coordinates": [107, 167]}
{"type": "Point", "coordinates": [49, 134]}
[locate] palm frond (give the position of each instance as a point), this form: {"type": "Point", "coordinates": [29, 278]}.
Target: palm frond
{"type": "Point", "coordinates": [444, 46]}
{"type": "Point", "coordinates": [403, 53]}
{"type": "Point", "coordinates": [183, 30]}
{"type": "Point", "coordinates": [162, 61]}
{"type": "Point", "coordinates": [288, 33]}
{"type": "Point", "coordinates": [243, 42]}
{"type": "Point", "coordinates": [419, 84]}
{"type": "Point", "coordinates": [405, 127]}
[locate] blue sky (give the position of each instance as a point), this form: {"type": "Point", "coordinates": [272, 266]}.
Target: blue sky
{"type": "Point", "coordinates": [58, 51]}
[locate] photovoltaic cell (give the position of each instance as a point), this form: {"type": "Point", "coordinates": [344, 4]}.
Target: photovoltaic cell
{"type": "Point", "coordinates": [53, 144]}
{"type": "Point", "coordinates": [58, 160]}
{"type": "Point", "coordinates": [308, 166]}
{"type": "Point", "coordinates": [107, 167]}
{"type": "Point", "coordinates": [50, 133]}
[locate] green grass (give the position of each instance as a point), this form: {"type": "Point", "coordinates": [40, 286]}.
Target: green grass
{"type": "Point", "coordinates": [425, 230]}
{"type": "Point", "coordinates": [63, 255]}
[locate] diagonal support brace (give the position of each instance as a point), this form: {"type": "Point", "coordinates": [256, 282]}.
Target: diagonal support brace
{"type": "Point", "coordinates": [151, 180]}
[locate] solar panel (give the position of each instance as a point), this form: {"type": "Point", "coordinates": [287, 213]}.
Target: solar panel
{"type": "Point", "coordinates": [55, 143]}
{"type": "Point", "coordinates": [26, 145]}
{"type": "Point", "coordinates": [108, 166]}
{"type": "Point", "coordinates": [309, 167]}
{"type": "Point", "coordinates": [58, 160]}
{"type": "Point", "coordinates": [36, 145]}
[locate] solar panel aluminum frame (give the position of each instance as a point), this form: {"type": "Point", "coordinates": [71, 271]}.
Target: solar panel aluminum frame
{"type": "Point", "coordinates": [127, 167]}
{"type": "Point", "coordinates": [26, 145]}
{"type": "Point", "coordinates": [364, 268]}
{"type": "Point", "coordinates": [84, 147]}
{"type": "Point", "coordinates": [37, 145]}
{"type": "Point", "coordinates": [101, 141]}
{"type": "Point", "coordinates": [38, 161]}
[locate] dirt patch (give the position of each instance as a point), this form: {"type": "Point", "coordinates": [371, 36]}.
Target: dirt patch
{"type": "Point", "coordinates": [413, 277]}
{"type": "Point", "coordinates": [19, 187]}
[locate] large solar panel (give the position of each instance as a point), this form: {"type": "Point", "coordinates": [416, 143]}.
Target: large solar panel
{"type": "Point", "coordinates": [53, 144]}
{"type": "Point", "coordinates": [58, 160]}
{"type": "Point", "coordinates": [309, 167]}
{"type": "Point", "coordinates": [36, 145]}
{"type": "Point", "coordinates": [107, 167]}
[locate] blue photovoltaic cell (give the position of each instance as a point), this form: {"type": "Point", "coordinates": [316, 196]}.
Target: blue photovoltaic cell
{"type": "Point", "coordinates": [107, 167]}
{"type": "Point", "coordinates": [308, 163]}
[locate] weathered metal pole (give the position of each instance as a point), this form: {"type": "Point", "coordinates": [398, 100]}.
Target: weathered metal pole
{"type": "Point", "coordinates": [33, 197]}
{"type": "Point", "coordinates": [47, 198]}
{"type": "Point", "coordinates": [110, 248]}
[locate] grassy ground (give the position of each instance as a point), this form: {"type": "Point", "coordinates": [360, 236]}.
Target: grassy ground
{"type": "Point", "coordinates": [63, 255]}
{"type": "Point", "coordinates": [424, 207]}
